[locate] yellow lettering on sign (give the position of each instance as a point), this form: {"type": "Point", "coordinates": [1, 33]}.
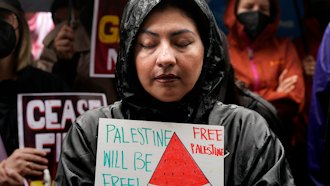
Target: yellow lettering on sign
{"type": "Point", "coordinates": [109, 29]}
{"type": "Point", "coordinates": [39, 183]}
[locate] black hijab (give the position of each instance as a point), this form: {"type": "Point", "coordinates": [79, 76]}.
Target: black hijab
{"type": "Point", "coordinates": [196, 105]}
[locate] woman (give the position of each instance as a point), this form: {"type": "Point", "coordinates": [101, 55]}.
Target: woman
{"type": "Point", "coordinates": [268, 65]}
{"type": "Point", "coordinates": [173, 74]}
{"type": "Point", "coordinates": [18, 76]}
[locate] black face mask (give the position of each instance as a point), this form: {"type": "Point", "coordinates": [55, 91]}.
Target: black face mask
{"type": "Point", "coordinates": [254, 23]}
{"type": "Point", "coordinates": [7, 39]}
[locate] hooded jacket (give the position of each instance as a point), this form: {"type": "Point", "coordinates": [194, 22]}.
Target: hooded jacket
{"type": "Point", "coordinates": [260, 63]}
{"type": "Point", "coordinates": [256, 156]}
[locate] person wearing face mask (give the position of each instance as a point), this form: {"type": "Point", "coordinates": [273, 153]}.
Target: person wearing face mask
{"type": "Point", "coordinates": [17, 75]}
{"type": "Point", "coordinates": [266, 64]}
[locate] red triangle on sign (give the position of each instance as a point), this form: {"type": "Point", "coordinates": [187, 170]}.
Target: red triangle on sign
{"type": "Point", "coordinates": [177, 167]}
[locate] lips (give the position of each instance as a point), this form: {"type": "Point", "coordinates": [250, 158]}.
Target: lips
{"type": "Point", "coordinates": [165, 78]}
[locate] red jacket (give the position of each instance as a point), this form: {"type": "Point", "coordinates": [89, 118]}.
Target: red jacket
{"type": "Point", "coordinates": [260, 63]}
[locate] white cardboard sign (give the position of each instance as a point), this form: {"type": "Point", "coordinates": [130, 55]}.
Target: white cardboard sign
{"type": "Point", "coordinates": [139, 153]}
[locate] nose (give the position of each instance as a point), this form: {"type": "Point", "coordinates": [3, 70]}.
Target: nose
{"type": "Point", "coordinates": [166, 57]}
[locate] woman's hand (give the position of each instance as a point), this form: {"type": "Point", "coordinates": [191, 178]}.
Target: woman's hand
{"type": "Point", "coordinates": [9, 177]}
{"type": "Point", "coordinates": [63, 42]}
{"type": "Point", "coordinates": [286, 85]}
{"type": "Point", "coordinates": [27, 162]}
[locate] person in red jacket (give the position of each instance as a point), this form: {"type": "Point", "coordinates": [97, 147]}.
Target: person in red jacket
{"type": "Point", "coordinates": [267, 64]}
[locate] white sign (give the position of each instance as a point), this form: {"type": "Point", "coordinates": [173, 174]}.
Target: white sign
{"type": "Point", "coordinates": [139, 153]}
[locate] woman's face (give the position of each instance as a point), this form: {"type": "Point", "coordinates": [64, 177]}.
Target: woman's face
{"type": "Point", "coordinates": [168, 54]}
{"type": "Point", "coordinates": [254, 5]}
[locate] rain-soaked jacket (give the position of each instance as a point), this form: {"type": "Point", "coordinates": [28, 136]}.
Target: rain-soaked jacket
{"type": "Point", "coordinates": [259, 64]}
{"type": "Point", "coordinates": [256, 156]}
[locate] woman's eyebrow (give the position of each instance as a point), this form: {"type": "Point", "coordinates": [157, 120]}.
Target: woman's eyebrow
{"type": "Point", "coordinates": [178, 32]}
{"type": "Point", "coordinates": [148, 32]}
{"type": "Point", "coordinates": [182, 31]}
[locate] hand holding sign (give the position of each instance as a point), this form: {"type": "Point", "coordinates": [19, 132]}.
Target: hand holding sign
{"type": "Point", "coordinates": [44, 119]}
{"type": "Point", "coordinates": [64, 42]}
{"type": "Point", "coordinates": [9, 176]}
{"type": "Point", "coordinates": [27, 161]}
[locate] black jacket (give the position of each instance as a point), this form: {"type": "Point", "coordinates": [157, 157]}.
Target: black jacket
{"type": "Point", "coordinates": [256, 156]}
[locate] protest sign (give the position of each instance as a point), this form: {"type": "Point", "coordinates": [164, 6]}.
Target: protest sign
{"type": "Point", "coordinates": [44, 119]}
{"type": "Point", "coordinates": [105, 37]}
{"type": "Point", "coordinates": [136, 153]}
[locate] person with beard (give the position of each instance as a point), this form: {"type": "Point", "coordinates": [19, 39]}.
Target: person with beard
{"type": "Point", "coordinates": [174, 74]}
{"type": "Point", "coordinates": [267, 64]}
{"type": "Point", "coordinates": [17, 75]}
{"type": "Point", "coordinates": [67, 48]}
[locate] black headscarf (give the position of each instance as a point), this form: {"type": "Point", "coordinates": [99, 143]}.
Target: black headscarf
{"type": "Point", "coordinates": [196, 105]}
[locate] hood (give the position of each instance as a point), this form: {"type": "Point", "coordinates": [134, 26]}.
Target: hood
{"type": "Point", "coordinates": [195, 106]}
{"type": "Point", "coordinates": [236, 29]}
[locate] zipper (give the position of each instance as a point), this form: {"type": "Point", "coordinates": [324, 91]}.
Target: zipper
{"type": "Point", "coordinates": [256, 80]}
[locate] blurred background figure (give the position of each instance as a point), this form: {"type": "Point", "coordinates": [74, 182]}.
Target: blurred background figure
{"type": "Point", "coordinates": [266, 64]}
{"type": "Point", "coordinates": [67, 48]}
{"type": "Point", "coordinates": [17, 75]}
{"type": "Point", "coordinates": [319, 118]}
{"type": "Point", "coordinates": [314, 20]}
{"type": "Point", "coordinates": [40, 24]}
{"type": "Point", "coordinates": [233, 91]}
